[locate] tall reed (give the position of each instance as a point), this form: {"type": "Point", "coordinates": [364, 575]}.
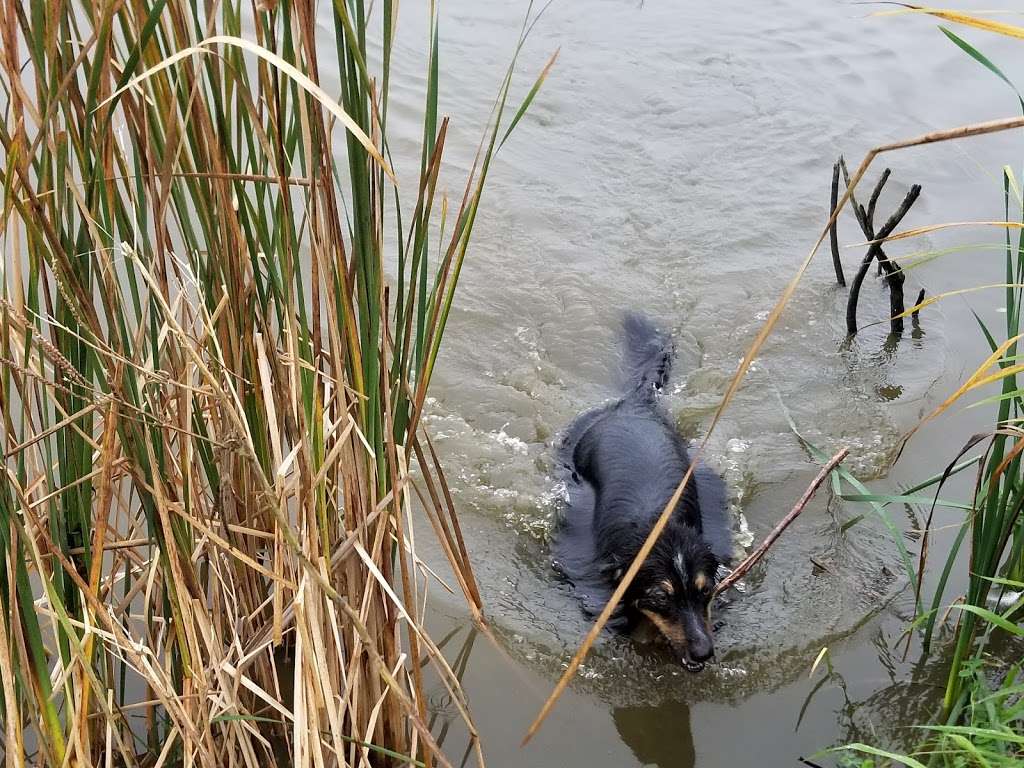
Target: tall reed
{"type": "Point", "coordinates": [211, 387]}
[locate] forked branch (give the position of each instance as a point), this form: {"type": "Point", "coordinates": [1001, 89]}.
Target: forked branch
{"type": "Point", "coordinates": [832, 233]}
{"type": "Point", "coordinates": [894, 276]}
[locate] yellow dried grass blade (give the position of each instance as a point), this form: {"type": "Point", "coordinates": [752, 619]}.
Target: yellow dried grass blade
{"type": "Point", "coordinates": [959, 17]}
{"type": "Point", "coordinates": [958, 292]}
{"type": "Point", "coordinates": [821, 655]}
{"type": "Point", "coordinates": [918, 231]}
{"type": "Point", "coordinates": [974, 380]}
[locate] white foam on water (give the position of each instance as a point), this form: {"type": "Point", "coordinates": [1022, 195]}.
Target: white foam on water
{"type": "Point", "coordinates": [514, 444]}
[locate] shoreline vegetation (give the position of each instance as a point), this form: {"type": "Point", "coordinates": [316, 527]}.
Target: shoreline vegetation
{"type": "Point", "coordinates": [219, 319]}
{"type": "Point", "coordinates": [980, 720]}
{"type": "Point", "coordinates": [212, 389]}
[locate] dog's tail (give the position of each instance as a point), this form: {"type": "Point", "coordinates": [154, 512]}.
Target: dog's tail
{"type": "Point", "coordinates": [647, 355]}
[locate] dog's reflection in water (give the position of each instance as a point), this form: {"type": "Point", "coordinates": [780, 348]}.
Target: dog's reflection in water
{"type": "Point", "coordinates": [659, 736]}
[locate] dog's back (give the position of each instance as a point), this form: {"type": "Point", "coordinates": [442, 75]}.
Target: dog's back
{"type": "Point", "coordinates": [634, 459]}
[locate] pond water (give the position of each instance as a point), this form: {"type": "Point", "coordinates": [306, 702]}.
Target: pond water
{"type": "Point", "coordinates": [678, 161]}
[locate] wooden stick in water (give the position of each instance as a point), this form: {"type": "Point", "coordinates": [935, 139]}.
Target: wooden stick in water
{"type": "Point", "coordinates": [751, 560]}
{"type": "Point", "coordinates": [832, 231]}
{"type": "Point", "coordinates": [915, 315]}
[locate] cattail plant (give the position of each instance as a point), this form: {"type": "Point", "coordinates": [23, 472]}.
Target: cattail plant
{"type": "Point", "coordinates": [218, 323]}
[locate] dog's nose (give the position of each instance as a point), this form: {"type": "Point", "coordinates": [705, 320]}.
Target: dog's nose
{"type": "Point", "coordinates": [701, 651]}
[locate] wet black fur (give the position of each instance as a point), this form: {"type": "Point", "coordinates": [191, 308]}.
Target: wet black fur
{"type": "Point", "coordinates": [622, 464]}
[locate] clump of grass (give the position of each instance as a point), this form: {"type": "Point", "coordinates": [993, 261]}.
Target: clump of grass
{"type": "Point", "coordinates": [993, 523]}
{"type": "Point", "coordinates": [211, 390]}
{"type": "Point", "coordinates": [988, 731]}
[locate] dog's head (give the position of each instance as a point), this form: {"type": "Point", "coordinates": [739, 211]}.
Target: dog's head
{"type": "Point", "coordinates": [673, 591]}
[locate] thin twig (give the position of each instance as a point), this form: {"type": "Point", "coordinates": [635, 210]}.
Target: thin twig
{"type": "Point", "coordinates": [833, 230]}
{"type": "Point", "coordinates": [869, 215]}
{"type": "Point", "coordinates": [878, 191]}
{"type": "Point", "coordinates": [858, 210]}
{"type": "Point", "coordinates": [751, 560]}
{"type": "Point", "coordinates": [897, 217]}
{"type": "Point", "coordinates": [915, 315]}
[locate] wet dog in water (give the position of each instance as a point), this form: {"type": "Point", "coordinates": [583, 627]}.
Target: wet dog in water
{"type": "Point", "coordinates": [622, 463]}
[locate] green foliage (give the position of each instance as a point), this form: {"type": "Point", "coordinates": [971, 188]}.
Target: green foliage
{"type": "Point", "coordinates": [991, 736]}
{"type": "Point", "coordinates": [980, 723]}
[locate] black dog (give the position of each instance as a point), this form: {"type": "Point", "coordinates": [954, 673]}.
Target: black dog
{"type": "Point", "coordinates": [623, 463]}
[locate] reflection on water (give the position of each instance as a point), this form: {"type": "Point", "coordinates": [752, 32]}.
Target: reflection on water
{"type": "Point", "coordinates": [680, 732]}
{"type": "Point", "coordinates": [659, 736]}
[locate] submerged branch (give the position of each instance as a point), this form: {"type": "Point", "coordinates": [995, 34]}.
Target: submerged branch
{"type": "Point", "coordinates": [915, 315]}
{"type": "Point", "coordinates": [878, 191]}
{"type": "Point", "coordinates": [832, 230]}
{"type": "Point", "coordinates": [894, 275]}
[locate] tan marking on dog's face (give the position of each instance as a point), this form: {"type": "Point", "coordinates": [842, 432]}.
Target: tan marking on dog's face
{"type": "Point", "coordinates": [700, 581]}
{"type": "Point", "coordinates": [673, 631]}
{"type": "Point", "coordinates": [667, 586]}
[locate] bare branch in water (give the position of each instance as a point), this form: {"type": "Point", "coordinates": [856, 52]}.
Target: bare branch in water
{"type": "Point", "coordinates": [878, 191]}
{"type": "Point", "coordinates": [915, 315]}
{"type": "Point", "coordinates": [752, 559]}
{"type": "Point", "coordinates": [832, 231]}
{"type": "Point", "coordinates": [894, 275]}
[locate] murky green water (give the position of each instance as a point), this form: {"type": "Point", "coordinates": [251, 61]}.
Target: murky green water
{"type": "Point", "coordinates": [678, 161]}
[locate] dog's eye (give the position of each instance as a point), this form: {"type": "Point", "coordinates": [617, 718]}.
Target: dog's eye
{"type": "Point", "coordinates": [660, 592]}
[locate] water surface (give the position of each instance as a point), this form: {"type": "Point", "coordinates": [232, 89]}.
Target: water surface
{"type": "Point", "coordinates": [678, 161]}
